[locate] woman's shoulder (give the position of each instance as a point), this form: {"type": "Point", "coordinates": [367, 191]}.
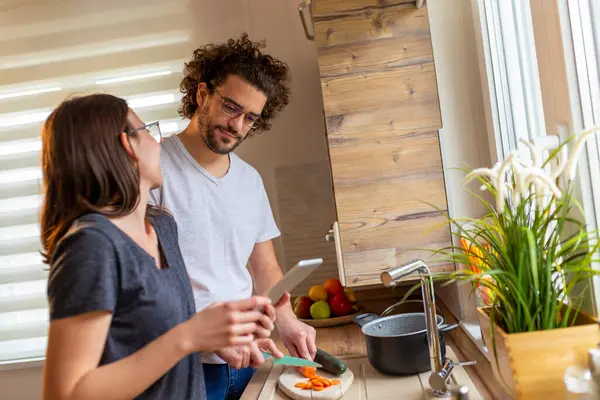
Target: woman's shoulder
{"type": "Point", "coordinates": [90, 233]}
{"type": "Point", "coordinates": [163, 221]}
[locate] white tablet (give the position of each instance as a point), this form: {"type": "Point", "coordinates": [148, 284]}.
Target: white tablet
{"type": "Point", "coordinates": [293, 278]}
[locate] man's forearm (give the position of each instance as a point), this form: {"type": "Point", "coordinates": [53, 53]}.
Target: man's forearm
{"type": "Point", "coordinates": [266, 273]}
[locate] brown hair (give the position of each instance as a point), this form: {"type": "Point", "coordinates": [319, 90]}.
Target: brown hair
{"type": "Point", "coordinates": [213, 64]}
{"type": "Point", "coordinates": [85, 167]}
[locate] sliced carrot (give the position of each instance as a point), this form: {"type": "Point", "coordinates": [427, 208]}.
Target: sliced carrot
{"type": "Point", "coordinates": [315, 382]}
{"type": "Point", "coordinates": [308, 372]}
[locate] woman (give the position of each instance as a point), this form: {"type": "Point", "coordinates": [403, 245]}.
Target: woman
{"type": "Point", "coordinates": [122, 317]}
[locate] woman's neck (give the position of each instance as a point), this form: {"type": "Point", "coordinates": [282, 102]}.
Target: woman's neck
{"type": "Point", "coordinates": [134, 224]}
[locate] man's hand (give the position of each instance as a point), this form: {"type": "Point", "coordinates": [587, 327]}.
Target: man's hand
{"type": "Point", "coordinates": [249, 356]}
{"type": "Point", "coordinates": [297, 337]}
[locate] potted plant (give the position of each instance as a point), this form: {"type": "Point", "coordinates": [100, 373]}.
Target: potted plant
{"type": "Point", "coordinates": [528, 259]}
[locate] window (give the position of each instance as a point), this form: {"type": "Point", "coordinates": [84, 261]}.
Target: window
{"type": "Point", "coordinates": [581, 32]}
{"type": "Point", "coordinates": [50, 50]}
{"type": "Point", "coordinates": [540, 66]}
{"type": "Point", "coordinates": [511, 74]}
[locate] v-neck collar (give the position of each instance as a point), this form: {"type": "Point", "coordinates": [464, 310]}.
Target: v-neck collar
{"type": "Point", "coordinates": [200, 168]}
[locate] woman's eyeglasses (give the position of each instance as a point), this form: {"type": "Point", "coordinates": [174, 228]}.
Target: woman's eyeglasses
{"type": "Point", "coordinates": [152, 128]}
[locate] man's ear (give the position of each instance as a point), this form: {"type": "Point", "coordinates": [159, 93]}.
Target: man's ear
{"type": "Point", "coordinates": [202, 93]}
{"type": "Point", "coordinates": [127, 145]}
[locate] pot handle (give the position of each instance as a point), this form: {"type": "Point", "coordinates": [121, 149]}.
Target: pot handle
{"type": "Point", "coordinates": [363, 319]}
{"type": "Point", "coordinates": [444, 328]}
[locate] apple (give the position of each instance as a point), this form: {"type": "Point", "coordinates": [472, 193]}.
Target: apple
{"type": "Point", "coordinates": [302, 307]}
{"type": "Point", "coordinates": [340, 305]}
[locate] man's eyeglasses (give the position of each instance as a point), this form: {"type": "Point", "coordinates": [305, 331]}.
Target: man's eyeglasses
{"type": "Point", "coordinates": [153, 129]}
{"type": "Point", "coordinates": [231, 109]}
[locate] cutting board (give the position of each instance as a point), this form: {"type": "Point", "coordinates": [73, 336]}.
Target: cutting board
{"type": "Point", "coordinates": [367, 383]}
{"type": "Point", "coordinates": [290, 376]}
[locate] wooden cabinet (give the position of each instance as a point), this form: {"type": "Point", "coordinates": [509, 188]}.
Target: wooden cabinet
{"type": "Point", "coordinates": [382, 113]}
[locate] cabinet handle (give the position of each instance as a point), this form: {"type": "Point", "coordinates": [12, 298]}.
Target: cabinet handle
{"type": "Point", "coordinates": [306, 8]}
{"type": "Point", "coordinates": [334, 235]}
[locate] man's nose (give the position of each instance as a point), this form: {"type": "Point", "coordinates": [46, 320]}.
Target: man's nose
{"type": "Point", "coordinates": [237, 123]}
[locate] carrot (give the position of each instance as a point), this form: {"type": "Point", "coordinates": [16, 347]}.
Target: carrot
{"type": "Point", "coordinates": [315, 382]}
{"type": "Point", "coordinates": [308, 372]}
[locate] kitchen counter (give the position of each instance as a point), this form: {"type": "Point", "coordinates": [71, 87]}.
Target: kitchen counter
{"type": "Point", "coordinates": [347, 341]}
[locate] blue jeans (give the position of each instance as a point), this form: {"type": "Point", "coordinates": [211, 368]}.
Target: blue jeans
{"type": "Point", "coordinates": [225, 383]}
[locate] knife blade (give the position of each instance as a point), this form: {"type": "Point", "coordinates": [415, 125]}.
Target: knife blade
{"type": "Point", "coordinates": [295, 361]}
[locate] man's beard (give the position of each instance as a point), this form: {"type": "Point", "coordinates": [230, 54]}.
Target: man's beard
{"type": "Point", "coordinates": [209, 136]}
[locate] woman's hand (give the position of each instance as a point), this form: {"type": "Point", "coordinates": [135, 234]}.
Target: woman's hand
{"type": "Point", "coordinates": [234, 323]}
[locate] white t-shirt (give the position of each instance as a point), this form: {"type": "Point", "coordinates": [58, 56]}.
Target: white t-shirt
{"type": "Point", "coordinates": [219, 220]}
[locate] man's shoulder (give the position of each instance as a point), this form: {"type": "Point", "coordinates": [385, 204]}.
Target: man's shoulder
{"type": "Point", "coordinates": [169, 146]}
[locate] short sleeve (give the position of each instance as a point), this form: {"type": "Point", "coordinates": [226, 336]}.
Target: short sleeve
{"type": "Point", "coordinates": [268, 227]}
{"type": "Point", "coordinates": [84, 275]}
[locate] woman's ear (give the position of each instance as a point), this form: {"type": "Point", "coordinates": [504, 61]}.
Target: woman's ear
{"type": "Point", "coordinates": [126, 143]}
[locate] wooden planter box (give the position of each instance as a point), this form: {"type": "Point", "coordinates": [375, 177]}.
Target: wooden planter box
{"type": "Point", "coordinates": [531, 365]}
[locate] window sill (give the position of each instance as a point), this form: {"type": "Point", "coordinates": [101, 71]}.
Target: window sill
{"type": "Point", "coordinates": [25, 363]}
{"type": "Point", "coordinates": [473, 331]}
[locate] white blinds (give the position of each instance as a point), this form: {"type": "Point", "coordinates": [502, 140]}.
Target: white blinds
{"type": "Point", "coordinates": [50, 49]}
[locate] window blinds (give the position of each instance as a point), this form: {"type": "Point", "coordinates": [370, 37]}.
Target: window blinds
{"type": "Point", "coordinates": [49, 50]}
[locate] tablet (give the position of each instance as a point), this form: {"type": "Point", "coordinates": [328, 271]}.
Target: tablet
{"type": "Point", "coordinates": [293, 278]}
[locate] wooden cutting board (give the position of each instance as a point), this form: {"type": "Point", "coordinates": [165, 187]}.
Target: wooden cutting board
{"type": "Point", "coordinates": [367, 383]}
{"type": "Point", "coordinates": [290, 376]}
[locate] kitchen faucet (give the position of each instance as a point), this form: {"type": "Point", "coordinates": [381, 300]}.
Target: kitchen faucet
{"type": "Point", "coordinates": [441, 369]}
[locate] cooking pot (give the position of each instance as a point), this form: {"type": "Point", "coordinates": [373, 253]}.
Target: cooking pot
{"type": "Point", "coordinates": [397, 344]}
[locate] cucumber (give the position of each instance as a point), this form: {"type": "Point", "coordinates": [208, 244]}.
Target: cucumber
{"type": "Point", "coordinates": [330, 363]}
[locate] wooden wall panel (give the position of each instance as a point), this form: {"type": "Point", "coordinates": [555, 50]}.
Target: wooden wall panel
{"type": "Point", "coordinates": [392, 157]}
{"type": "Point", "coordinates": [382, 112]}
{"type": "Point", "coordinates": [336, 7]}
{"type": "Point", "coordinates": [362, 57]}
{"type": "Point", "coordinates": [352, 93]}
{"type": "Point", "coordinates": [410, 117]}
{"type": "Point", "coordinates": [371, 24]}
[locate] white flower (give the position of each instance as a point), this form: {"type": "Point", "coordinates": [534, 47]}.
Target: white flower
{"type": "Point", "coordinates": [514, 179]}
{"type": "Point", "coordinates": [574, 158]}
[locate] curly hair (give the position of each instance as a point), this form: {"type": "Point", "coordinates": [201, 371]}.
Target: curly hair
{"type": "Point", "coordinates": [214, 63]}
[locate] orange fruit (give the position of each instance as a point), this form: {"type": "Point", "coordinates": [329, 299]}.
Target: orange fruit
{"type": "Point", "coordinates": [333, 286]}
{"type": "Point", "coordinates": [317, 293]}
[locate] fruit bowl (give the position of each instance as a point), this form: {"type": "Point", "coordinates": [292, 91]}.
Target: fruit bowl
{"type": "Point", "coordinates": [330, 304]}
{"type": "Point", "coordinates": [328, 322]}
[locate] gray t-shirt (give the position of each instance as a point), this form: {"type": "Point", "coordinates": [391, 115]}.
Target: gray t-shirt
{"type": "Point", "coordinates": [96, 266]}
{"type": "Point", "coordinates": [219, 222]}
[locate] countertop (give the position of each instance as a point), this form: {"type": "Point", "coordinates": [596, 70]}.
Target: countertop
{"type": "Point", "coordinates": [341, 341]}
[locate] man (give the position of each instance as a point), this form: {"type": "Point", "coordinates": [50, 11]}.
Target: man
{"type": "Point", "coordinates": [231, 92]}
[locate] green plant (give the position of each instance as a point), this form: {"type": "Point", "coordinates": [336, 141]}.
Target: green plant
{"type": "Point", "coordinates": [531, 249]}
